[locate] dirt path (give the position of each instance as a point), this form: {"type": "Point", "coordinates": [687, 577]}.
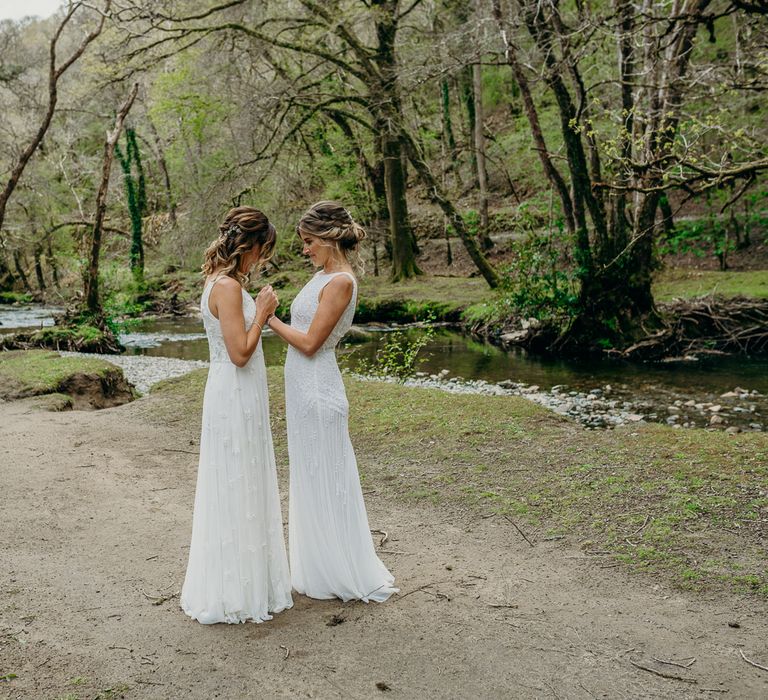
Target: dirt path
{"type": "Point", "coordinates": [96, 513]}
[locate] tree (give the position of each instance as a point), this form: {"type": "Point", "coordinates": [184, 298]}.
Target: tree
{"type": "Point", "coordinates": [55, 72]}
{"type": "Point", "coordinates": [610, 186]}
{"type": "Point", "coordinates": [91, 277]}
{"type": "Point", "coordinates": [362, 66]}
{"type": "Point", "coordinates": [135, 189]}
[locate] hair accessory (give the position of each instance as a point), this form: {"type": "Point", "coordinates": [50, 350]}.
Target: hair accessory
{"type": "Point", "coordinates": [233, 230]}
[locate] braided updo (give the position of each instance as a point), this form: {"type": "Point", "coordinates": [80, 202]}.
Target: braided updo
{"type": "Point", "coordinates": [333, 223]}
{"type": "Point", "coordinates": [243, 228]}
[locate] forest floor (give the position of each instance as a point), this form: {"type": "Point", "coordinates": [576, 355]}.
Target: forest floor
{"type": "Point", "coordinates": [505, 531]}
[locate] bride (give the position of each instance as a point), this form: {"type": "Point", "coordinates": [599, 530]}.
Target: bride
{"type": "Point", "coordinates": [237, 568]}
{"type": "Point", "coordinates": [330, 545]}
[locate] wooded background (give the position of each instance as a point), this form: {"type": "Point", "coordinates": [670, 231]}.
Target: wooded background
{"type": "Point", "coordinates": [590, 127]}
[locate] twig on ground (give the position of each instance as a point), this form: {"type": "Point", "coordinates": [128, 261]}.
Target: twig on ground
{"type": "Point", "coordinates": [671, 676]}
{"type": "Point", "coordinates": [642, 527]}
{"type": "Point", "coordinates": [503, 605]}
{"type": "Point", "coordinates": [514, 524]}
{"type": "Point", "coordinates": [383, 539]}
{"type": "Point", "coordinates": [691, 661]}
{"type": "Point", "coordinates": [159, 599]}
{"type": "Point", "coordinates": [392, 551]}
{"type": "Point", "coordinates": [752, 663]}
{"type": "Point", "coordinates": [188, 452]}
{"type": "Point", "coordinates": [154, 556]}
{"type": "Point", "coordinates": [286, 650]}
{"type": "Point", "coordinates": [420, 588]}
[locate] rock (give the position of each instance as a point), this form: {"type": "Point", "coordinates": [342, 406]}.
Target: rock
{"type": "Point", "coordinates": [729, 395]}
{"type": "Point", "coordinates": [634, 417]}
{"type": "Point", "coordinates": [690, 403]}
{"type": "Point", "coordinates": [513, 337]}
{"type": "Point", "coordinates": [716, 420]}
{"type": "Point", "coordinates": [596, 392]}
{"type": "Point", "coordinates": [733, 430]}
{"type": "Point", "coordinates": [673, 409]}
{"type": "Point", "coordinates": [357, 335]}
{"type": "Point", "coordinates": [672, 420]}
{"type": "Point", "coordinates": [716, 408]}
{"type": "Point", "coordinates": [755, 426]}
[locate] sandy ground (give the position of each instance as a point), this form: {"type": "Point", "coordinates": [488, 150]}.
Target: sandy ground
{"type": "Point", "coordinates": [96, 517]}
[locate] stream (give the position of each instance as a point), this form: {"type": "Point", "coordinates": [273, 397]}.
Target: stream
{"type": "Point", "coordinates": [726, 393]}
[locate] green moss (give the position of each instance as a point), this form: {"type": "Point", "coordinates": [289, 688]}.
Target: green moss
{"type": "Point", "coordinates": [35, 372]}
{"type": "Point", "coordinates": [15, 298]}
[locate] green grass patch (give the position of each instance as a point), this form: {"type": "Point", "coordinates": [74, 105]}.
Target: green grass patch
{"type": "Point", "coordinates": [15, 298]}
{"type": "Point", "coordinates": [686, 283]}
{"type": "Point", "coordinates": [36, 372]}
{"type": "Point", "coordinates": [687, 505]}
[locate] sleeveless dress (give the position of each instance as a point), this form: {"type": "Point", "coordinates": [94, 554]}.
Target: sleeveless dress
{"type": "Point", "coordinates": [238, 569]}
{"type": "Point", "coordinates": [329, 541]}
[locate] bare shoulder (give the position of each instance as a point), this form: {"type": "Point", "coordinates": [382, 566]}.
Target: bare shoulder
{"type": "Point", "coordinates": [340, 286]}
{"type": "Point", "coordinates": [227, 289]}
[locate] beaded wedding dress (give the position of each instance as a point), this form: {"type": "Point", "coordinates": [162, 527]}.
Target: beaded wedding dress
{"type": "Point", "coordinates": [330, 545]}
{"type": "Point", "coordinates": [238, 569]}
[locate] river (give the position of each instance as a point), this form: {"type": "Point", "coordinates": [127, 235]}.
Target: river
{"type": "Point", "coordinates": [723, 393]}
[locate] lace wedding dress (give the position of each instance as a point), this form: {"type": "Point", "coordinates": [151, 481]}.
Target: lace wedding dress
{"type": "Point", "coordinates": [330, 545]}
{"type": "Point", "coordinates": [237, 568]}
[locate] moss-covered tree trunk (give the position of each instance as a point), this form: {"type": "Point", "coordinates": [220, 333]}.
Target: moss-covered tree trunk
{"type": "Point", "coordinates": [91, 278]}
{"type": "Point", "coordinates": [388, 113]}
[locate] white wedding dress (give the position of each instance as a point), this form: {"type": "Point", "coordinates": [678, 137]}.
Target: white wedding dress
{"type": "Point", "coordinates": [238, 569]}
{"type": "Point", "coordinates": [330, 544]}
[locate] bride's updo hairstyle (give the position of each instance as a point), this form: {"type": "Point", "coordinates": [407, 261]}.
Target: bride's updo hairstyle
{"type": "Point", "coordinates": [333, 223]}
{"type": "Point", "coordinates": [243, 228]}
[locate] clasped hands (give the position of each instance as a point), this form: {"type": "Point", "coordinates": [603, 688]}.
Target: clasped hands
{"type": "Point", "coordinates": [266, 303]}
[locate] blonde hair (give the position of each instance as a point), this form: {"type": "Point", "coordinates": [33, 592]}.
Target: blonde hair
{"type": "Point", "coordinates": [333, 223]}
{"type": "Point", "coordinates": [243, 228]}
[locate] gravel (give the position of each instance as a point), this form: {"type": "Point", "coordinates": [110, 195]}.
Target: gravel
{"type": "Point", "coordinates": [595, 409]}
{"type": "Point", "coordinates": [143, 371]}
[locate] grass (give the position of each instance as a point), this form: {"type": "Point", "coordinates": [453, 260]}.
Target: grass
{"type": "Point", "coordinates": [687, 505]}
{"type": "Point", "coordinates": [687, 283]}
{"type": "Point", "coordinates": [15, 298]}
{"type": "Point", "coordinates": [37, 372]}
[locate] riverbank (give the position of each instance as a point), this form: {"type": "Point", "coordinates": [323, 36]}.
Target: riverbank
{"type": "Point", "coordinates": [532, 557]}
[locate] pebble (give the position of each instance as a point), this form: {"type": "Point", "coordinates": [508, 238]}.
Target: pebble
{"type": "Point", "coordinates": [143, 371]}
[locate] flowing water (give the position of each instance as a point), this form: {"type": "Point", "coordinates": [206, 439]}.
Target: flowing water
{"type": "Point", "coordinates": [681, 392]}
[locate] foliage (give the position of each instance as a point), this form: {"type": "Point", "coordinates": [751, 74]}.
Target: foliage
{"type": "Point", "coordinates": [701, 237]}
{"type": "Point", "coordinates": [399, 356]}
{"type": "Point", "coordinates": [15, 298]}
{"type": "Point", "coordinates": [535, 284]}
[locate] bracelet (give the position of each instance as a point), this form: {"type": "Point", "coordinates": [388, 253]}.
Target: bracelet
{"type": "Point", "coordinates": [269, 318]}
{"type": "Point", "coordinates": [260, 327]}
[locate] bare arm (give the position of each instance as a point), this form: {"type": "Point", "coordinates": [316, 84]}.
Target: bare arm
{"type": "Point", "coordinates": [226, 303]}
{"type": "Point", "coordinates": [333, 300]}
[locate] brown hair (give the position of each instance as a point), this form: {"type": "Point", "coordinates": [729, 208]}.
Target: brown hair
{"type": "Point", "coordinates": [332, 222]}
{"type": "Point", "coordinates": [242, 229]}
